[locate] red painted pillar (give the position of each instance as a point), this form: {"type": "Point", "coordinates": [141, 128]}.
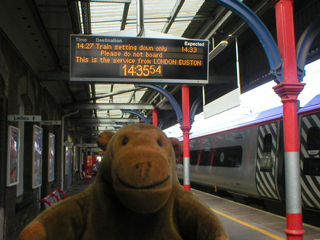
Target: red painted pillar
{"type": "Point", "coordinates": [186, 126]}
{"type": "Point", "coordinates": [155, 117]}
{"type": "Point", "coordinates": [288, 92]}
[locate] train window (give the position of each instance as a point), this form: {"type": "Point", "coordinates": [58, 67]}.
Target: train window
{"type": "Point", "coordinates": [205, 158]}
{"type": "Point", "coordinates": [313, 141]}
{"type": "Point", "coordinates": [266, 162]}
{"type": "Point", "coordinates": [267, 143]}
{"type": "Point", "coordinates": [311, 166]}
{"type": "Point", "coordinates": [193, 157]}
{"type": "Point", "coordinates": [227, 157]}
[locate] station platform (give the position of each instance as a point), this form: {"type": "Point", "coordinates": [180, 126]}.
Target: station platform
{"type": "Point", "coordinates": [78, 186]}
{"type": "Point", "coordinates": [242, 222]}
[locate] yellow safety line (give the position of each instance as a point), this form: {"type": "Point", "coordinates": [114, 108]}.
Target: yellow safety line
{"type": "Point", "coordinates": [249, 225]}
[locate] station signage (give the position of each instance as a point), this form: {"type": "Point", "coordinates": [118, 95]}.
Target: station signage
{"type": "Point", "coordinates": [51, 122]}
{"type": "Point", "coordinates": [119, 59]}
{"type": "Point", "coordinates": [25, 118]}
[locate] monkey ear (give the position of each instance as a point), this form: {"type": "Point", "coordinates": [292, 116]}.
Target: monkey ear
{"type": "Point", "coordinates": [176, 146]}
{"type": "Point", "coordinates": [103, 139]}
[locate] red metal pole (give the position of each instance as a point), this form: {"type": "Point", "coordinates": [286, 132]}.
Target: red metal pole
{"type": "Point", "coordinates": [288, 92]}
{"type": "Point", "coordinates": [155, 117]}
{"type": "Point", "coordinates": [186, 126]}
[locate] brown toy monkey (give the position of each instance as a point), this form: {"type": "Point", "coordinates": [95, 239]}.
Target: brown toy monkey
{"type": "Point", "coordinates": [136, 195]}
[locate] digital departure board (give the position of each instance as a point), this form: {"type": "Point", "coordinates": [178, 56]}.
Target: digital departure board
{"type": "Point", "coordinates": [120, 59]}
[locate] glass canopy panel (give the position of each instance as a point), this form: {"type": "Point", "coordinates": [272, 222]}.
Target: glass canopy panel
{"type": "Point", "coordinates": [107, 16]}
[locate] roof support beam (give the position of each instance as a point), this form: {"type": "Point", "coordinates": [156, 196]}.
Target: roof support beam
{"type": "Point", "coordinates": [211, 23]}
{"type": "Point", "coordinates": [110, 94]}
{"type": "Point", "coordinates": [173, 15]}
{"type": "Point", "coordinates": [261, 32]}
{"type": "Point", "coordinates": [115, 106]}
{"type": "Point", "coordinates": [108, 106]}
{"type": "Point", "coordinates": [105, 120]}
{"type": "Point", "coordinates": [140, 18]}
{"type": "Point", "coordinates": [137, 114]}
{"type": "Point", "coordinates": [125, 15]}
{"type": "Point", "coordinates": [304, 45]}
{"type": "Point", "coordinates": [86, 17]}
{"type": "Point", "coordinates": [74, 16]}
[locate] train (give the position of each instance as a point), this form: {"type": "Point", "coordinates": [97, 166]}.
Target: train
{"type": "Point", "coordinates": [245, 159]}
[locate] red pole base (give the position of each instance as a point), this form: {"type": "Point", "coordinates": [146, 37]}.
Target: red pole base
{"type": "Point", "coordinates": [187, 187]}
{"type": "Point", "coordinates": [294, 229]}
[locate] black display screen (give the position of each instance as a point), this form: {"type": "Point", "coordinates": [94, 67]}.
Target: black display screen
{"type": "Point", "coordinates": [137, 59]}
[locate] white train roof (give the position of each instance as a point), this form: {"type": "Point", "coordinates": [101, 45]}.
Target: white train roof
{"type": "Point", "coordinates": [265, 116]}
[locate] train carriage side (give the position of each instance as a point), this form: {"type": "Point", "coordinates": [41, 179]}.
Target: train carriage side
{"type": "Point", "coordinates": [246, 159]}
{"type": "Point", "coordinates": [242, 160]}
{"type": "Point", "coordinates": [309, 119]}
{"type": "Point", "coordinates": [225, 160]}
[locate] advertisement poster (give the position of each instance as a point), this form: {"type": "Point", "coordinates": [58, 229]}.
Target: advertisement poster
{"type": "Point", "coordinates": [68, 157]}
{"type": "Point", "coordinates": [51, 157]}
{"type": "Point", "coordinates": [37, 157]}
{"type": "Point", "coordinates": [13, 156]}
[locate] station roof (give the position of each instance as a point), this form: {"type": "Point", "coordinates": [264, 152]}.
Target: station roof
{"type": "Point", "coordinates": [40, 30]}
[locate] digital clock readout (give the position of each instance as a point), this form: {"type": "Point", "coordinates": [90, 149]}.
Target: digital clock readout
{"type": "Point", "coordinates": [131, 70]}
{"type": "Point", "coordinates": [85, 45]}
{"type": "Point", "coordinates": [190, 49]}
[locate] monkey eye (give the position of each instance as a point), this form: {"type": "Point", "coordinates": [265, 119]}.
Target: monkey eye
{"type": "Point", "coordinates": [159, 142]}
{"type": "Point", "coordinates": [125, 141]}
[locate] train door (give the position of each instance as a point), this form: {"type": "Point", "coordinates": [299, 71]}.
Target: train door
{"type": "Point", "coordinates": [310, 161]}
{"type": "Point", "coordinates": [267, 160]}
